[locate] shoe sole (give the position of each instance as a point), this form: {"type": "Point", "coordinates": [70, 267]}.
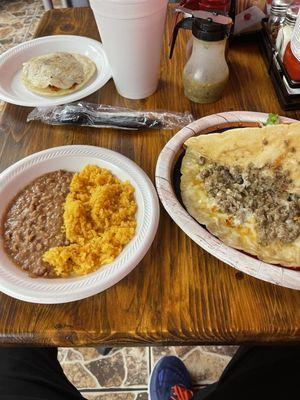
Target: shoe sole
{"type": "Point", "coordinates": [150, 377]}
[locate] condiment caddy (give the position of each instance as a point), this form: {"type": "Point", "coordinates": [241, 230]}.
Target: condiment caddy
{"type": "Point", "coordinates": [279, 44]}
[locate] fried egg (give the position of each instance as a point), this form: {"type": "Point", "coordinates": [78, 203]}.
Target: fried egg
{"type": "Point", "coordinates": [57, 74]}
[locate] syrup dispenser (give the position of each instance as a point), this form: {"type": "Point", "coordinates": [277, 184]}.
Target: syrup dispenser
{"type": "Point", "coordinates": [206, 73]}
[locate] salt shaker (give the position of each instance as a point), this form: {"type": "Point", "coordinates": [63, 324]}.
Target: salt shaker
{"type": "Point", "coordinates": [277, 16]}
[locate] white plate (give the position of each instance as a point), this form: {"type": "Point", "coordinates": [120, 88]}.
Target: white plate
{"type": "Point", "coordinates": [164, 183]}
{"type": "Point", "coordinates": [13, 91]}
{"type": "Point", "coordinates": [16, 283]}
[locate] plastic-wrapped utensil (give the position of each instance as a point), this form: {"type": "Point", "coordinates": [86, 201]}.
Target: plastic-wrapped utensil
{"type": "Point", "coordinates": [106, 116]}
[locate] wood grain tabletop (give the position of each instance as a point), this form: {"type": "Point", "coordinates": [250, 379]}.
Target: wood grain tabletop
{"type": "Point", "coordinates": [178, 294]}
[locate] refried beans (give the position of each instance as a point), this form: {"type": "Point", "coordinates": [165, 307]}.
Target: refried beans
{"type": "Point", "coordinates": [34, 220]}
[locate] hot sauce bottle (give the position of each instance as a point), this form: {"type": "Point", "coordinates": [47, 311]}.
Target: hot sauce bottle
{"type": "Point", "coordinates": [291, 58]}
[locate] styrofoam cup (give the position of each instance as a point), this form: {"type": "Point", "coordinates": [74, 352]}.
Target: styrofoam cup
{"type": "Point", "coordinates": [132, 32]}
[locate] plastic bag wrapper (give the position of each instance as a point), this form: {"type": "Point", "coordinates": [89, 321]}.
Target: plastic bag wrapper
{"type": "Point", "coordinates": [105, 116]}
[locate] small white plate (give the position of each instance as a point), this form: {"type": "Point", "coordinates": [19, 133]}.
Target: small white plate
{"type": "Point", "coordinates": [13, 91]}
{"type": "Point", "coordinates": [16, 283]}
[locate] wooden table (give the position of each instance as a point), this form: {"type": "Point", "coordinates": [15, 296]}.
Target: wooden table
{"type": "Point", "coordinates": [179, 294]}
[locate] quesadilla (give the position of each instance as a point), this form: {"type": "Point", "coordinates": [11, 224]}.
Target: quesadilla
{"type": "Point", "coordinates": [244, 186]}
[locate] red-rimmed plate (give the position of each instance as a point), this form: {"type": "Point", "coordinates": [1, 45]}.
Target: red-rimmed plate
{"type": "Point", "coordinates": [168, 181]}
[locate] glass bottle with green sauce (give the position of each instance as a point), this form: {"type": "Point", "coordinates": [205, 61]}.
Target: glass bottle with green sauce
{"type": "Point", "coordinates": [206, 73]}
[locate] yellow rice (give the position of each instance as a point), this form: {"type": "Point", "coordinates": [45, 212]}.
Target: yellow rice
{"type": "Point", "coordinates": [99, 220]}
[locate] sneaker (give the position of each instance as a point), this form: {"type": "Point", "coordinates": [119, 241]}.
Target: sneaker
{"type": "Point", "coordinates": [170, 380]}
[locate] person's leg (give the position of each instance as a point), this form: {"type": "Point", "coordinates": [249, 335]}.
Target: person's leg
{"type": "Point", "coordinates": [33, 373]}
{"type": "Point", "coordinates": [258, 372]}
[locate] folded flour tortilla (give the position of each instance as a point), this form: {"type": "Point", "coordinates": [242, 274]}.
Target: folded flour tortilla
{"type": "Point", "coordinates": [244, 186]}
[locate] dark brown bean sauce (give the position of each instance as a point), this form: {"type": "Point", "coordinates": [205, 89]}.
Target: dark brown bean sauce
{"type": "Point", "coordinates": [33, 222]}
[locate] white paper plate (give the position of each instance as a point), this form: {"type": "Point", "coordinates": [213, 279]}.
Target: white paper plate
{"type": "Point", "coordinates": [13, 91]}
{"type": "Point", "coordinates": [16, 283]}
{"type": "Point", "coordinates": [164, 183]}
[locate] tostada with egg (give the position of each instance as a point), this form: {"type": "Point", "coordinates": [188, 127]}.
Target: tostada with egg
{"type": "Point", "coordinates": [57, 74]}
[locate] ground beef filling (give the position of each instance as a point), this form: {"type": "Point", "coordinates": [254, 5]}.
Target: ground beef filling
{"type": "Point", "coordinates": [34, 220]}
{"type": "Point", "coordinates": [260, 191]}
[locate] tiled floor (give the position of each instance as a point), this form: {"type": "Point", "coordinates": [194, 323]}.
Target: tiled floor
{"type": "Point", "coordinates": [123, 373]}
{"type": "Point", "coordinates": [18, 21]}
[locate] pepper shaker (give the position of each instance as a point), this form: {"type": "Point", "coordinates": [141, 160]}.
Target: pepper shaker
{"type": "Point", "coordinates": [277, 16]}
